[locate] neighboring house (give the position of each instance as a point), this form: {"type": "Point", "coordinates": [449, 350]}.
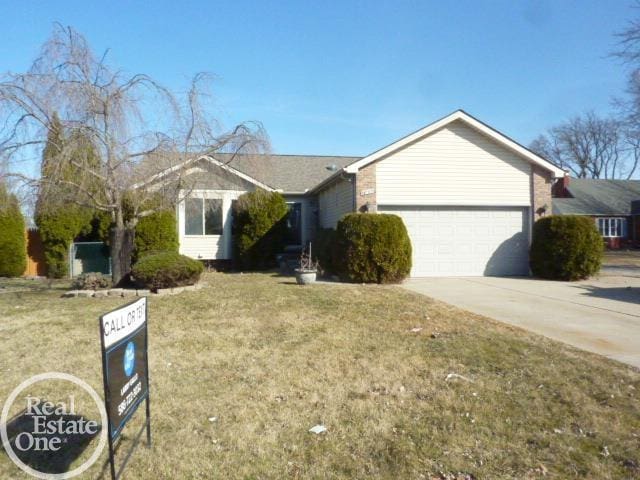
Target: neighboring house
{"type": "Point", "coordinates": [609, 202]}
{"type": "Point", "coordinates": [467, 194]}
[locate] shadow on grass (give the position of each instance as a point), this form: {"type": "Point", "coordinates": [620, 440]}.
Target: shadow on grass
{"type": "Point", "coordinates": [71, 445]}
{"type": "Point", "coordinates": [622, 270]}
{"type": "Point", "coordinates": [280, 274]}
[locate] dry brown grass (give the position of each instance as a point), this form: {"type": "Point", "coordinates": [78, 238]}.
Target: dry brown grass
{"type": "Point", "coordinates": [622, 258]}
{"type": "Point", "coordinates": [271, 359]}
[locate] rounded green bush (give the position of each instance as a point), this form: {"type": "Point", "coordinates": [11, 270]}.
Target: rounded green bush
{"type": "Point", "coordinates": [166, 270]}
{"type": "Point", "coordinates": [372, 248]}
{"type": "Point", "coordinates": [157, 232]}
{"type": "Point", "coordinates": [259, 228]}
{"type": "Point", "coordinates": [13, 244]}
{"type": "Point", "coordinates": [567, 247]}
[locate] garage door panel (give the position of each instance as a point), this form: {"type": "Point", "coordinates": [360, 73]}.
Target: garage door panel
{"type": "Point", "coordinates": [464, 249]}
{"type": "Point", "coordinates": [467, 241]}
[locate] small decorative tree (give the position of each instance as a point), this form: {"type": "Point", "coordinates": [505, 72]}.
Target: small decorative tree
{"type": "Point", "coordinates": [139, 130]}
{"type": "Point", "coordinates": [308, 268]}
{"type": "Point", "coordinates": [307, 263]}
{"type": "Point", "coordinates": [59, 219]}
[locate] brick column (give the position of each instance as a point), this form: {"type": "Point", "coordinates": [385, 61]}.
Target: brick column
{"type": "Point", "coordinates": [541, 183]}
{"type": "Point", "coordinates": [365, 189]}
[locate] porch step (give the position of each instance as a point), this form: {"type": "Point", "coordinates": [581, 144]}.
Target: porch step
{"type": "Point", "coordinates": [288, 261]}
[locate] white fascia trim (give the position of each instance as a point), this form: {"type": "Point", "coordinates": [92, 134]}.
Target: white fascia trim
{"type": "Point", "coordinates": [457, 115]}
{"type": "Point", "coordinates": [238, 173]}
{"type": "Point", "coordinates": [213, 161]}
{"type": "Point", "coordinates": [165, 172]}
{"type": "Point", "coordinates": [206, 191]}
{"type": "Point", "coordinates": [383, 205]}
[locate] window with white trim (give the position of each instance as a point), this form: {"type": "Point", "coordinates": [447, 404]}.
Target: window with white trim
{"type": "Point", "coordinates": [203, 216]}
{"type": "Point", "coordinates": [612, 227]}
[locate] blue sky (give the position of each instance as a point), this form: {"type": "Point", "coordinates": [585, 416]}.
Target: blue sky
{"type": "Point", "coordinates": [347, 77]}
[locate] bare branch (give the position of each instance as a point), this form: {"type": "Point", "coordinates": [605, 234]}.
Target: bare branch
{"type": "Point", "coordinates": [587, 145]}
{"type": "Point", "coordinates": [119, 130]}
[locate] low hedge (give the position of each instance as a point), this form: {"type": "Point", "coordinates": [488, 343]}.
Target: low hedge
{"type": "Point", "coordinates": [166, 270]}
{"type": "Point", "coordinates": [372, 248]}
{"type": "Point", "coordinates": [567, 247]}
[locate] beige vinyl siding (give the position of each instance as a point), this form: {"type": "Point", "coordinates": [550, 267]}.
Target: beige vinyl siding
{"type": "Point", "coordinates": [208, 247]}
{"type": "Point", "coordinates": [205, 247]}
{"type": "Point", "coordinates": [455, 165]}
{"type": "Point", "coordinates": [334, 201]}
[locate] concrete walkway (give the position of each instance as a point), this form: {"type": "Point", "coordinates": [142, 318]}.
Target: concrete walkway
{"type": "Point", "coordinates": [600, 315]}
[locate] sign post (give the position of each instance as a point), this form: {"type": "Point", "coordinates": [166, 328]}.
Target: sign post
{"type": "Point", "coordinates": [125, 370]}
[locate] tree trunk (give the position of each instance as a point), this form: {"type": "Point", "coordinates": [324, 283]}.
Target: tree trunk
{"type": "Point", "coordinates": [121, 245]}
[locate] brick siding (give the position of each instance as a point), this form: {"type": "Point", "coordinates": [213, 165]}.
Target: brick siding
{"type": "Point", "coordinates": [365, 190]}
{"type": "Point", "coordinates": [541, 183]}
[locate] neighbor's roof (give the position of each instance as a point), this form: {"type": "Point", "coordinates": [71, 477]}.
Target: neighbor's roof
{"type": "Point", "coordinates": [289, 173]}
{"type": "Point", "coordinates": [598, 197]}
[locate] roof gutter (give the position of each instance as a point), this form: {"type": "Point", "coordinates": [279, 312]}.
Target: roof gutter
{"type": "Point", "coordinates": [328, 180]}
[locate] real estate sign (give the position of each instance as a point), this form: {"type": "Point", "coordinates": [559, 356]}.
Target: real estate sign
{"type": "Point", "coordinates": [125, 367]}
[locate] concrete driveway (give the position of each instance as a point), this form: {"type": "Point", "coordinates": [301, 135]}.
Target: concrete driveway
{"type": "Point", "coordinates": [601, 315]}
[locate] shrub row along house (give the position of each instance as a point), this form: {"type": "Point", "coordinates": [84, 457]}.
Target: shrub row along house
{"type": "Point", "coordinates": [467, 194]}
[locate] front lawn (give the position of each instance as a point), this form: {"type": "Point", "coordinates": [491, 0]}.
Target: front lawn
{"type": "Point", "coordinates": [269, 360]}
{"type": "Point", "coordinates": [622, 258]}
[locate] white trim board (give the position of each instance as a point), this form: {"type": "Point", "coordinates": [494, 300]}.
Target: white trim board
{"type": "Point", "coordinates": [213, 161]}
{"type": "Point", "coordinates": [469, 120]}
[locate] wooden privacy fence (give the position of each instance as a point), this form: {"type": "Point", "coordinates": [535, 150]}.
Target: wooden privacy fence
{"type": "Point", "coordinates": [83, 257]}
{"type": "Point", "coordinates": [36, 265]}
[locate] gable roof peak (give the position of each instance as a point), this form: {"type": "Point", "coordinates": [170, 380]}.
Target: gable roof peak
{"type": "Point", "coordinates": [473, 122]}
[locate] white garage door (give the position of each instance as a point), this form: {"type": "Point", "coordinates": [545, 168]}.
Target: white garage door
{"type": "Point", "coordinates": [466, 241]}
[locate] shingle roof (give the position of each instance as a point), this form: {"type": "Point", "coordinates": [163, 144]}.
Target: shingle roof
{"type": "Point", "coordinates": [290, 173]}
{"type": "Point", "coordinates": [598, 197]}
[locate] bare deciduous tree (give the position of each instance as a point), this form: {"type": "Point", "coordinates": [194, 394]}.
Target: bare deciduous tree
{"type": "Point", "coordinates": [591, 147]}
{"type": "Point", "coordinates": [629, 107]}
{"type": "Point", "coordinates": [137, 127]}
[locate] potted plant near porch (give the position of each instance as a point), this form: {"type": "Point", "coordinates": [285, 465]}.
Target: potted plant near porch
{"type": "Point", "coordinates": [308, 270]}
